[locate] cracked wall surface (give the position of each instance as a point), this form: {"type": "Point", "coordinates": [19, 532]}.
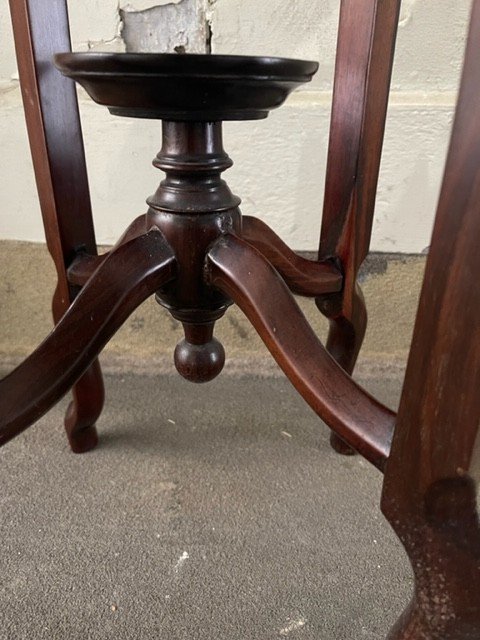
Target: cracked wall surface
{"type": "Point", "coordinates": [287, 151]}
{"type": "Point", "coordinates": [164, 27]}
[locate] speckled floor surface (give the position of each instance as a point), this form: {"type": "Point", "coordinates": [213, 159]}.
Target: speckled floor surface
{"type": "Point", "coordinates": [213, 513]}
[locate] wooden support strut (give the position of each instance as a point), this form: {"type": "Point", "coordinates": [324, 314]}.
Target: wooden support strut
{"type": "Point", "coordinates": [304, 277]}
{"type": "Point", "coordinates": [241, 272]}
{"type": "Point", "coordinates": [127, 277]}
{"type": "Point", "coordinates": [41, 29]}
{"type": "Point", "coordinates": [365, 51]}
{"type": "Point", "coordinates": [429, 493]}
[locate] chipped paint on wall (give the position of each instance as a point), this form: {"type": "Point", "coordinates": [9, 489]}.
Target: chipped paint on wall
{"type": "Point", "coordinates": [406, 12]}
{"type": "Point", "coordinates": [113, 45]}
{"type": "Point", "coordinates": [429, 52]}
{"type": "Point", "coordinates": [165, 27]}
{"type": "Point", "coordinates": [142, 5]}
{"type": "Point", "coordinates": [210, 8]}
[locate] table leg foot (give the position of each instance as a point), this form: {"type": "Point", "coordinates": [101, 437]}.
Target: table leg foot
{"type": "Point", "coordinates": [129, 275]}
{"type": "Point", "coordinates": [345, 339]}
{"type": "Point", "coordinates": [84, 410]}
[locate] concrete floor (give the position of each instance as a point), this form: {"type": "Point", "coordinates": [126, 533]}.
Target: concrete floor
{"type": "Point", "coordinates": [212, 512]}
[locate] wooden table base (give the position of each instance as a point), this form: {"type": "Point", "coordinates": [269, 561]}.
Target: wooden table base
{"type": "Point", "coordinates": [195, 252]}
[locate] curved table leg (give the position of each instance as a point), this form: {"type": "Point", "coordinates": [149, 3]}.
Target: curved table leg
{"type": "Point", "coordinates": [242, 273]}
{"type": "Point", "coordinates": [88, 397]}
{"type": "Point", "coordinates": [61, 177]}
{"type": "Point", "coordinates": [126, 278]}
{"type": "Point", "coordinates": [89, 392]}
{"type": "Point", "coordinates": [312, 278]}
{"type": "Point", "coordinates": [443, 546]}
{"type": "Point", "coordinates": [345, 339]}
{"type": "Point", "coordinates": [431, 479]}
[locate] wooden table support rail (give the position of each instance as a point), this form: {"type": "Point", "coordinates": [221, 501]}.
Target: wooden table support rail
{"type": "Point", "coordinates": [307, 278]}
{"type": "Point", "coordinates": [84, 264]}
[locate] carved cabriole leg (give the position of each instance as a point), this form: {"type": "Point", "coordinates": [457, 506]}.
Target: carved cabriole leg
{"type": "Point", "coordinates": [429, 493]}
{"type": "Point", "coordinates": [366, 44]}
{"type": "Point", "coordinates": [85, 409]}
{"type": "Point", "coordinates": [348, 324]}
{"type": "Point", "coordinates": [89, 392]}
{"type": "Point", "coordinates": [432, 505]}
{"type": "Point", "coordinates": [443, 545]}
{"type": "Point", "coordinates": [239, 271]}
{"type": "Point", "coordinates": [126, 278]}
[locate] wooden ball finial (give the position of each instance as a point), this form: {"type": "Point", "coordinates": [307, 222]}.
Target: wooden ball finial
{"type": "Point", "coordinates": [199, 362]}
{"type": "Point", "coordinates": [199, 357]}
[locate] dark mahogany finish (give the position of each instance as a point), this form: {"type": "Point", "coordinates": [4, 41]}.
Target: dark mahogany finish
{"type": "Point", "coordinates": [128, 276]}
{"type": "Point", "coordinates": [84, 264]}
{"type": "Point", "coordinates": [243, 273]}
{"type": "Point", "coordinates": [193, 207]}
{"type": "Point", "coordinates": [193, 250]}
{"type": "Point", "coordinates": [186, 87]}
{"type": "Point", "coordinates": [365, 49]}
{"type": "Point", "coordinates": [40, 30]}
{"type": "Point", "coordinates": [303, 277]}
{"type": "Point", "coordinates": [429, 494]}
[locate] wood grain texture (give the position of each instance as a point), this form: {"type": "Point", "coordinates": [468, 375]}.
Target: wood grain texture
{"type": "Point", "coordinates": [365, 50]}
{"type": "Point", "coordinates": [51, 109]}
{"type": "Point", "coordinates": [241, 272]}
{"type": "Point", "coordinates": [429, 494]}
{"type": "Point", "coordinates": [364, 60]}
{"type": "Point", "coordinates": [196, 262]}
{"type": "Point", "coordinates": [129, 275]}
{"type": "Point", "coordinates": [303, 277]}
{"type": "Point", "coordinates": [84, 265]}
{"type": "Point", "coordinates": [41, 29]}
